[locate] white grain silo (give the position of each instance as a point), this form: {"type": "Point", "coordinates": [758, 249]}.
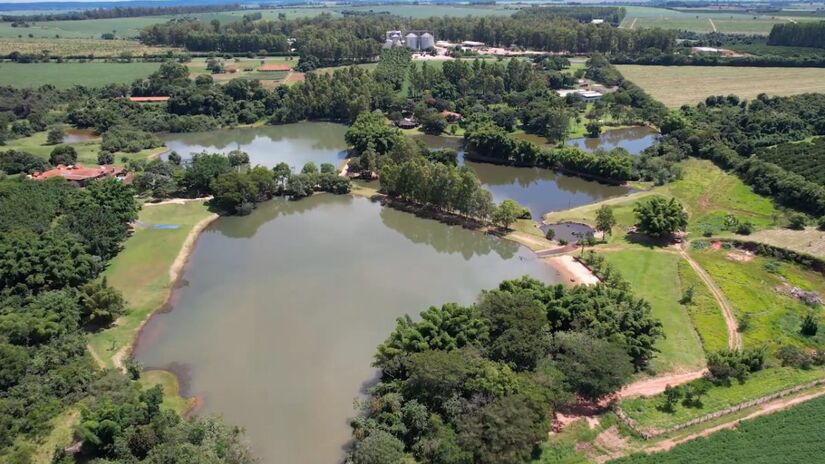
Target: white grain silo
{"type": "Point", "coordinates": [426, 41]}
{"type": "Point", "coordinates": [412, 41]}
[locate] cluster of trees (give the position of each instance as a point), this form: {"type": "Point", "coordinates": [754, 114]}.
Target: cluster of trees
{"type": "Point", "coordinates": [611, 15]}
{"type": "Point", "coordinates": [477, 384]}
{"type": "Point", "coordinates": [729, 132]}
{"type": "Point", "coordinates": [684, 57]}
{"type": "Point", "coordinates": [235, 186]}
{"type": "Point", "coordinates": [798, 34]}
{"type": "Point", "coordinates": [128, 140]}
{"type": "Point", "coordinates": [350, 39]}
{"type": "Point", "coordinates": [488, 142]}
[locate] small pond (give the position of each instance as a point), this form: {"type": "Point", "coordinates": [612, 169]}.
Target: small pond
{"type": "Point", "coordinates": [569, 231]}
{"type": "Point", "coordinates": [634, 139]}
{"type": "Point", "coordinates": [78, 135]}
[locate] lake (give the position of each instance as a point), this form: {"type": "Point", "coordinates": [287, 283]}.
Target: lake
{"type": "Point", "coordinates": [634, 139]}
{"type": "Point", "coordinates": [279, 312]}
{"type": "Point", "coordinates": [295, 144]}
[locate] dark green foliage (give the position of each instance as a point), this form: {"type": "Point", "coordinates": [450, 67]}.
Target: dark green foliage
{"type": "Point", "coordinates": [63, 154]}
{"type": "Point", "coordinates": [379, 448]}
{"type": "Point", "coordinates": [605, 220]}
{"type": "Point", "coordinates": [128, 140]}
{"type": "Point", "coordinates": [797, 221]}
{"type": "Point", "coordinates": [371, 129]}
{"type": "Point", "coordinates": [100, 304]}
{"type": "Point", "coordinates": [14, 162]}
{"type": "Point", "coordinates": [43, 262]}
{"type": "Point", "coordinates": [805, 158]}
{"type": "Point", "coordinates": [55, 136]}
{"type": "Point", "coordinates": [660, 217]}
{"type": "Point", "coordinates": [809, 325]}
{"type": "Point", "coordinates": [105, 157]}
{"type": "Point", "coordinates": [593, 367]}
{"type": "Point", "coordinates": [518, 328]}
{"type": "Point", "coordinates": [724, 365]}
{"type": "Point", "coordinates": [803, 34]}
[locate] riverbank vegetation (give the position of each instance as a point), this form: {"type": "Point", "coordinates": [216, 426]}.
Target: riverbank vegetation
{"type": "Point", "coordinates": [56, 241]}
{"type": "Point", "coordinates": [472, 384]}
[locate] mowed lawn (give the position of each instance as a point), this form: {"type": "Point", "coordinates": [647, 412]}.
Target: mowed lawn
{"type": "Point", "coordinates": [654, 276]}
{"type": "Point", "coordinates": [87, 150]}
{"type": "Point", "coordinates": [678, 85]}
{"type": "Point", "coordinates": [66, 75]}
{"type": "Point", "coordinates": [141, 271]}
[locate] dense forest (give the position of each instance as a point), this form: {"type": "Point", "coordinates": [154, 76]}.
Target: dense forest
{"type": "Point", "coordinates": [798, 34]}
{"type": "Point", "coordinates": [478, 383]}
{"type": "Point", "coordinates": [55, 240]}
{"type": "Point", "coordinates": [352, 39]}
{"type": "Point", "coordinates": [612, 15]}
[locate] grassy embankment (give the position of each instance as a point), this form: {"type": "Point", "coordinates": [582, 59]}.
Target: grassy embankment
{"type": "Point", "coordinates": [87, 151]}
{"type": "Point", "coordinates": [678, 85]}
{"type": "Point", "coordinates": [67, 75]}
{"type": "Point", "coordinates": [141, 271]}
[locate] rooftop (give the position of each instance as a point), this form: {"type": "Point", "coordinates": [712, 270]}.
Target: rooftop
{"type": "Point", "coordinates": [78, 173]}
{"type": "Point", "coordinates": [274, 67]}
{"type": "Point", "coordinates": [148, 99]}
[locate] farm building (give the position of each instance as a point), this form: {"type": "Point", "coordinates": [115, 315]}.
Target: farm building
{"type": "Point", "coordinates": [451, 116]}
{"type": "Point", "coordinates": [274, 68]}
{"type": "Point", "coordinates": [411, 40]}
{"type": "Point", "coordinates": [81, 176]}
{"type": "Point", "coordinates": [472, 44]}
{"type": "Point", "coordinates": [148, 99]}
{"type": "Point", "coordinates": [586, 95]}
{"type": "Point", "coordinates": [407, 123]}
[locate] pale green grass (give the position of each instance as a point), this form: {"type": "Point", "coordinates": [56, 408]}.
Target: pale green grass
{"type": "Point", "coordinates": [774, 318]}
{"type": "Point", "coordinates": [60, 436]}
{"type": "Point", "coordinates": [171, 390]}
{"type": "Point", "coordinates": [141, 272]}
{"type": "Point", "coordinates": [87, 151]}
{"type": "Point", "coordinates": [654, 276]}
{"type": "Point", "coordinates": [704, 311]}
{"type": "Point", "coordinates": [645, 411]}
{"type": "Point", "coordinates": [67, 75]}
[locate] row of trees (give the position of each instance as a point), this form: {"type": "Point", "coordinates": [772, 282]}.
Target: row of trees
{"type": "Point", "coordinates": [798, 34]}
{"type": "Point", "coordinates": [477, 384]}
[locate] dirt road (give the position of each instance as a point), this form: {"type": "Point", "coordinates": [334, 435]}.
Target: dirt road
{"type": "Point", "coordinates": [656, 385]}
{"type": "Point", "coordinates": [734, 340]}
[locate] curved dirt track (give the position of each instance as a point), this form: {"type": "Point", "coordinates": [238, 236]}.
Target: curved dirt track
{"type": "Point", "coordinates": [734, 340]}
{"type": "Point", "coordinates": [656, 385]}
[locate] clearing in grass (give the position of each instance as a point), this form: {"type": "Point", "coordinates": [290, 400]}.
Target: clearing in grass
{"type": "Point", "coordinates": [141, 271]}
{"type": "Point", "coordinates": [678, 85]}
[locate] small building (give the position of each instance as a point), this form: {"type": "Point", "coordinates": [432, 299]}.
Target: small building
{"type": "Point", "coordinates": [451, 116]}
{"type": "Point", "coordinates": [81, 176]}
{"type": "Point", "coordinates": [158, 99]}
{"type": "Point", "coordinates": [597, 21]}
{"type": "Point", "coordinates": [472, 44]}
{"type": "Point", "coordinates": [407, 123]}
{"type": "Point", "coordinates": [275, 68]}
{"type": "Point", "coordinates": [589, 95]}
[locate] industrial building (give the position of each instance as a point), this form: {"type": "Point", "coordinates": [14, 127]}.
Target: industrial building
{"type": "Point", "coordinates": [414, 40]}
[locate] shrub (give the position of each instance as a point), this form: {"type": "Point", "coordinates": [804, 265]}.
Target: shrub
{"type": "Point", "coordinates": [63, 154]}
{"type": "Point", "coordinates": [794, 357]}
{"type": "Point", "coordinates": [809, 325]}
{"type": "Point", "coordinates": [797, 221]}
{"type": "Point", "coordinates": [744, 228]}
{"type": "Point", "coordinates": [105, 157]}
{"type": "Point", "coordinates": [550, 234]}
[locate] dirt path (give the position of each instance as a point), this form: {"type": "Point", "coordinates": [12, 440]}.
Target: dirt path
{"type": "Point", "coordinates": [712, 25]}
{"type": "Point", "coordinates": [734, 340]}
{"type": "Point", "coordinates": [764, 409]}
{"type": "Point", "coordinates": [177, 201]}
{"type": "Point", "coordinates": [656, 385]}
{"type": "Point", "coordinates": [633, 24]}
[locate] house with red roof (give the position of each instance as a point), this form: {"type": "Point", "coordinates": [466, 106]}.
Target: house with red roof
{"type": "Point", "coordinates": [275, 68]}
{"type": "Point", "coordinates": [148, 99]}
{"type": "Point", "coordinates": [81, 176]}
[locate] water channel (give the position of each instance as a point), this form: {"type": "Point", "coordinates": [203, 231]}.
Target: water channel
{"type": "Point", "coordinates": [278, 313]}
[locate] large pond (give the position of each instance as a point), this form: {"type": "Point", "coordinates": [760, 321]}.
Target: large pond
{"type": "Point", "coordinates": [279, 312]}
{"type": "Point", "coordinates": [539, 190]}
{"type": "Point", "coordinates": [294, 144]}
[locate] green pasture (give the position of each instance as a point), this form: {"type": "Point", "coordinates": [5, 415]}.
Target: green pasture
{"type": "Point", "coordinates": [67, 75]}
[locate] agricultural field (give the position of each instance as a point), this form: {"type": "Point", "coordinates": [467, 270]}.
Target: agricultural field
{"type": "Point", "coordinates": [655, 276]}
{"type": "Point", "coordinates": [66, 75]}
{"type": "Point", "coordinates": [79, 47]}
{"type": "Point", "coordinates": [804, 158]}
{"type": "Point", "coordinates": [648, 413]}
{"type": "Point", "coordinates": [758, 289]}
{"type": "Point", "coordinates": [765, 49]}
{"type": "Point", "coordinates": [679, 85]}
{"type": "Point", "coordinates": [704, 20]}
{"type": "Point", "coordinates": [810, 241]}
{"type": "Point", "coordinates": [791, 436]}
{"type": "Point", "coordinates": [246, 68]}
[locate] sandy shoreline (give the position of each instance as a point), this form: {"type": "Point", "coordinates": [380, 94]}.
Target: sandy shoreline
{"type": "Point", "coordinates": [572, 271]}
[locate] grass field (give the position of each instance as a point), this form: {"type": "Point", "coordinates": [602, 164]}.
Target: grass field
{"type": "Point", "coordinates": [759, 296]}
{"type": "Point", "coordinates": [66, 75]}
{"type": "Point", "coordinates": [708, 194]}
{"type": "Point", "coordinates": [810, 241]}
{"type": "Point", "coordinates": [655, 276]}
{"type": "Point", "coordinates": [646, 410]}
{"type": "Point", "coordinates": [678, 85]}
{"type": "Point", "coordinates": [704, 20]}
{"type": "Point", "coordinates": [77, 47]}
{"type": "Point", "coordinates": [141, 271]}
{"type": "Point", "coordinates": [86, 150]}
{"type": "Point", "coordinates": [171, 390]}
{"type": "Point", "coordinates": [705, 314]}
{"type": "Point", "coordinates": [791, 436]}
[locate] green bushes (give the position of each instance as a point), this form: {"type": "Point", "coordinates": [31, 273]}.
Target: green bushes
{"type": "Point", "coordinates": [724, 365]}
{"type": "Point", "coordinates": [128, 140]}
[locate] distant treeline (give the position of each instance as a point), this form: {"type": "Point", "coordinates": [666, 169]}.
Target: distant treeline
{"type": "Point", "coordinates": [352, 39]}
{"type": "Point", "coordinates": [613, 15]}
{"type": "Point", "coordinates": [805, 34]}
{"type": "Point", "coordinates": [120, 12]}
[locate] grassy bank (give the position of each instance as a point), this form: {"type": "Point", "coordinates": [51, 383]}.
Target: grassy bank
{"type": "Point", "coordinates": [87, 150]}
{"type": "Point", "coordinates": [647, 413]}
{"type": "Point", "coordinates": [655, 277]}
{"type": "Point", "coordinates": [171, 390]}
{"type": "Point", "coordinates": [142, 272]}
